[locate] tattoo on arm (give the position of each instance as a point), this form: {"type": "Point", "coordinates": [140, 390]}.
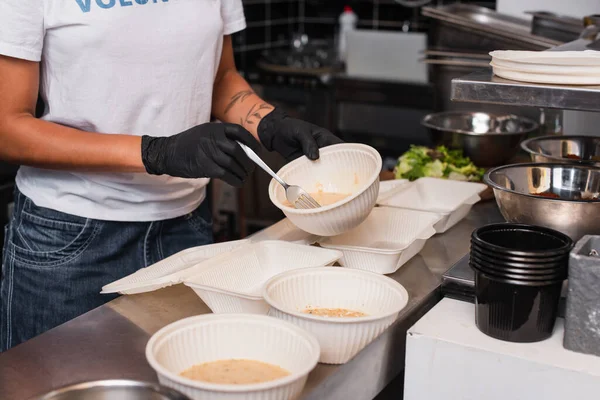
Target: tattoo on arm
{"type": "Point", "coordinates": [254, 114]}
{"type": "Point", "coordinates": [238, 97]}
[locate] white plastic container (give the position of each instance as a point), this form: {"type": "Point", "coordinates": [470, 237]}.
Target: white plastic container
{"type": "Point", "coordinates": [378, 296]}
{"type": "Point", "coordinates": [206, 338]}
{"type": "Point", "coordinates": [343, 168]}
{"type": "Point", "coordinates": [170, 271]}
{"type": "Point", "coordinates": [390, 188]}
{"type": "Point", "coordinates": [385, 241]}
{"type": "Point", "coordinates": [347, 23]}
{"type": "Point", "coordinates": [452, 200]}
{"type": "Point", "coordinates": [233, 283]}
{"type": "Point", "coordinates": [286, 231]}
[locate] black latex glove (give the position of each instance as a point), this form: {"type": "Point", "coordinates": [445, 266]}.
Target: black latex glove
{"type": "Point", "coordinates": [292, 137]}
{"type": "Point", "coordinates": [204, 151]}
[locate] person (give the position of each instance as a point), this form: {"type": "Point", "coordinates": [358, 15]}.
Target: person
{"type": "Point", "coordinates": [113, 174]}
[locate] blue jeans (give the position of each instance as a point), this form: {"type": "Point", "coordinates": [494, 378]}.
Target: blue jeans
{"type": "Point", "coordinates": [55, 264]}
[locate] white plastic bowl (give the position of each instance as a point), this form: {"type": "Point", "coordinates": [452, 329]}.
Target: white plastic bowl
{"type": "Point", "coordinates": [342, 168]}
{"type": "Point", "coordinates": [233, 282]}
{"type": "Point", "coordinates": [387, 239]}
{"type": "Point", "coordinates": [378, 296]}
{"type": "Point", "coordinates": [212, 337]}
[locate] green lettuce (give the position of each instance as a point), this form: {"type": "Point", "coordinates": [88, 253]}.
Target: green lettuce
{"type": "Point", "coordinates": [421, 161]}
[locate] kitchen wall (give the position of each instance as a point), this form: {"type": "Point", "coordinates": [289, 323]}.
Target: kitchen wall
{"type": "Point", "coordinates": [271, 23]}
{"type": "Point", "coordinates": [320, 18]}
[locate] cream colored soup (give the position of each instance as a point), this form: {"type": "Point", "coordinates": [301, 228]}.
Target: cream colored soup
{"type": "Point", "coordinates": [235, 372]}
{"type": "Point", "coordinates": [334, 312]}
{"type": "Point", "coordinates": [324, 198]}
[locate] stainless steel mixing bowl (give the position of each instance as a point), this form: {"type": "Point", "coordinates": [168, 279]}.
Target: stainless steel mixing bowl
{"type": "Point", "coordinates": [487, 139]}
{"type": "Point", "coordinates": [114, 390]}
{"type": "Point", "coordinates": [583, 150]}
{"type": "Point", "coordinates": [575, 213]}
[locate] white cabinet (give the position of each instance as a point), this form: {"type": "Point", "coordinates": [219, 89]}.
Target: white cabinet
{"type": "Point", "coordinates": [448, 358]}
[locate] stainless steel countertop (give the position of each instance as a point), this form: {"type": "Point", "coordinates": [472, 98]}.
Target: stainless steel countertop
{"type": "Point", "coordinates": [109, 342]}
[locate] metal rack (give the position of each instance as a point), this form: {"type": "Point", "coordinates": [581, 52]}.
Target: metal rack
{"type": "Point", "coordinates": [483, 87]}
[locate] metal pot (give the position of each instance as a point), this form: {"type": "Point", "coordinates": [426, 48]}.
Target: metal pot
{"type": "Point", "coordinates": [576, 213]}
{"type": "Point", "coordinates": [487, 139]}
{"type": "Point", "coordinates": [113, 389]}
{"type": "Point", "coordinates": [582, 150]}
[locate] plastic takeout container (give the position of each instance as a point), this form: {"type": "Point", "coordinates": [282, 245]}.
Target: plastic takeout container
{"type": "Point", "coordinates": [381, 298]}
{"type": "Point", "coordinates": [348, 168]}
{"type": "Point", "coordinates": [387, 239]}
{"type": "Point", "coordinates": [285, 230]}
{"type": "Point", "coordinates": [206, 338]}
{"type": "Point", "coordinates": [233, 282]}
{"type": "Point", "coordinates": [452, 200]}
{"type": "Point", "coordinates": [390, 188]}
{"type": "Point", "coordinates": [170, 271]}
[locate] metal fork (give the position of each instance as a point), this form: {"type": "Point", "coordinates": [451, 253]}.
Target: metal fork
{"type": "Point", "coordinates": [297, 196]}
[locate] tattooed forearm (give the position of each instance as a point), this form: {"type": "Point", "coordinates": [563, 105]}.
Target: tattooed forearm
{"type": "Point", "coordinates": [254, 113]}
{"type": "Point", "coordinates": [238, 98]}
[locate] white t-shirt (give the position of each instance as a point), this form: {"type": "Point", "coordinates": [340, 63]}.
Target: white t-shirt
{"type": "Point", "coordinates": [140, 67]}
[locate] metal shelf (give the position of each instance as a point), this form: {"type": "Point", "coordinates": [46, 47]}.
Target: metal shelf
{"type": "Point", "coordinates": [483, 87]}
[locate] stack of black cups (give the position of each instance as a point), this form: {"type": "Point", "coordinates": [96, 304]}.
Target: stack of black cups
{"type": "Point", "coordinates": [519, 272]}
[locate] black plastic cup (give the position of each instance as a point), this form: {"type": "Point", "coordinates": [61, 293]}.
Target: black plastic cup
{"type": "Point", "coordinates": [520, 240]}
{"type": "Point", "coordinates": [511, 274]}
{"type": "Point", "coordinates": [519, 271]}
{"type": "Point", "coordinates": [513, 281]}
{"type": "Point", "coordinates": [515, 312]}
{"type": "Point", "coordinates": [528, 260]}
{"type": "Point", "coordinates": [524, 268]}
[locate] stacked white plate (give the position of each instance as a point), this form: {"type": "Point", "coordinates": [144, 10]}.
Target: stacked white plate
{"type": "Point", "coordinates": [549, 67]}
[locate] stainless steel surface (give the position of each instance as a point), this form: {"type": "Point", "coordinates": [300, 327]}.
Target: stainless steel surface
{"type": "Point", "coordinates": [579, 150]}
{"type": "Point", "coordinates": [483, 87]}
{"type": "Point", "coordinates": [109, 342]}
{"type": "Point", "coordinates": [113, 390]}
{"type": "Point", "coordinates": [487, 21]}
{"type": "Point", "coordinates": [294, 194]}
{"type": "Point", "coordinates": [488, 139]}
{"type": "Point", "coordinates": [575, 213]}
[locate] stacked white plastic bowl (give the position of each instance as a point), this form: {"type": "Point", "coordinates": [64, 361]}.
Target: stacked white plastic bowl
{"type": "Point", "coordinates": [214, 337]}
{"type": "Point", "coordinates": [342, 168]}
{"type": "Point", "coordinates": [378, 296]}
